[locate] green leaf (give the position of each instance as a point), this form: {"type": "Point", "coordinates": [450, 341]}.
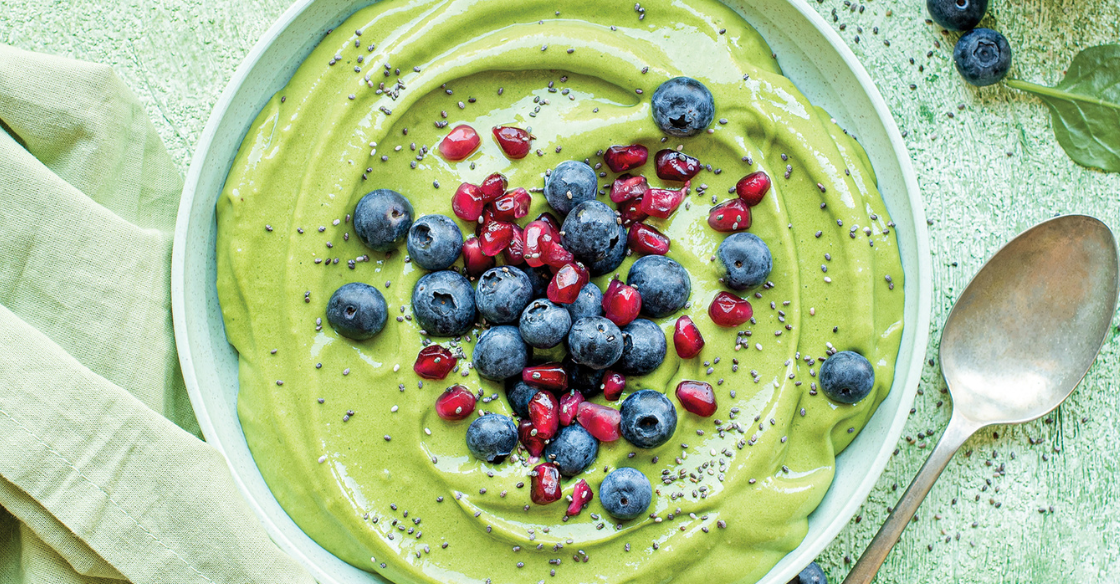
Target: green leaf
{"type": "Point", "coordinates": [1085, 107]}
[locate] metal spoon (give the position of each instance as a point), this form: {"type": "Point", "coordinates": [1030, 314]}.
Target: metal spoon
{"type": "Point", "coordinates": [1019, 339]}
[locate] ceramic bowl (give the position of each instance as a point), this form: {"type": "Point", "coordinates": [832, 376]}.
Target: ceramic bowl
{"type": "Point", "coordinates": [810, 53]}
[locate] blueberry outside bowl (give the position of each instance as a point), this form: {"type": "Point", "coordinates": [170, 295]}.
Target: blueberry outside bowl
{"type": "Point", "coordinates": [810, 53]}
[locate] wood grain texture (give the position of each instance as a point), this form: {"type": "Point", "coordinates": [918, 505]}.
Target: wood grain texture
{"type": "Point", "coordinates": [1034, 503]}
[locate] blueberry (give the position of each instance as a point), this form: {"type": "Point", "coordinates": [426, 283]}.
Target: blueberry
{"type": "Point", "coordinates": [540, 277]}
{"type": "Point", "coordinates": [648, 418]}
{"type": "Point", "coordinates": [847, 377]}
{"type": "Point", "coordinates": [615, 254]}
{"type": "Point", "coordinates": [682, 106]}
{"type": "Point", "coordinates": [957, 14]}
{"type": "Point", "coordinates": [583, 379]}
{"type": "Point", "coordinates": [500, 353]}
{"type": "Point", "coordinates": [519, 393]}
{"type": "Point", "coordinates": [663, 284]}
{"type": "Point", "coordinates": [382, 219]}
{"type": "Point", "coordinates": [443, 303]}
{"type": "Point", "coordinates": [588, 303]}
{"type": "Point", "coordinates": [625, 493]}
{"type": "Point", "coordinates": [502, 294]}
{"type": "Point", "coordinates": [746, 259]}
{"type": "Point", "coordinates": [573, 450]}
{"type": "Point", "coordinates": [357, 311]}
{"type": "Point", "coordinates": [643, 348]}
{"type": "Point", "coordinates": [570, 183]}
{"type": "Point", "coordinates": [544, 324]}
{"type": "Point", "coordinates": [595, 342]}
{"type": "Point", "coordinates": [812, 574]}
{"type": "Point", "coordinates": [492, 437]}
{"type": "Point", "coordinates": [590, 231]}
{"type": "Point", "coordinates": [982, 56]}
{"type": "Point", "coordinates": [434, 242]}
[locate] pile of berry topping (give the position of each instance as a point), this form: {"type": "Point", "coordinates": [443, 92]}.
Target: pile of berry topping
{"type": "Point", "coordinates": [541, 296]}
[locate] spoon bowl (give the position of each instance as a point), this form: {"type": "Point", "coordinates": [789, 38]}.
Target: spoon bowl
{"type": "Point", "coordinates": [1026, 329]}
{"type": "Point", "coordinates": [1020, 338]}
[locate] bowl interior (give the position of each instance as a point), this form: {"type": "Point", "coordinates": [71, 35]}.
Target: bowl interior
{"type": "Point", "coordinates": [810, 53]}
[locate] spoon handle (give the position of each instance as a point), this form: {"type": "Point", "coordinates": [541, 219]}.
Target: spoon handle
{"type": "Point", "coordinates": [958, 430]}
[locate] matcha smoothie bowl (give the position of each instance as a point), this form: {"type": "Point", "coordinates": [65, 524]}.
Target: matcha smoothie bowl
{"type": "Point", "coordinates": [587, 294]}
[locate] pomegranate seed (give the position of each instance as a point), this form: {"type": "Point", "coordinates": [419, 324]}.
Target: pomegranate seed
{"type": "Point", "coordinates": [621, 304]}
{"type": "Point", "coordinates": [487, 217]}
{"type": "Point", "coordinates": [512, 205]}
{"type": "Point", "coordinates": [527, 434]}
{"type": "Point", "coordinates": [729, 310]}
{"type": "Point", "coordinates": [474, 261]}
{"type": "Point", "coordinates": [581, 496]}
{"type": "Point", "coordinates": [545, 484]}
{"type": "Point", "coordinates": [623, 158]}
{"type": "Point", "coordinates": [455, 403]}
{"type": "Point", "coordinates": [662, 202]}
{"type": "Point", "coordinates": [730, 215]}
{"type": "Point", "coordinates": [554, 254]}
{"type": "Point", "coordinates": [434, 362]}
{"type": "Point", "coordinates": [536, 234]}
{"type": "Point", "coordinates": [544, 412]}
{"type": "Point", "coordinates": [495, 237]}
{"type": "Point", "coordinates": [550, 376]}
{"type": "Point", "coordinates": [493, 186]}
{"type": "Point", "coordinates": [569, 406]}
{"type": "Point", "coordinates": [697, 397]}
{"type": "Point", "coordinates": [612, 286]}
{"type": "Point", "coordinates": [647, 240]}
{"type": "Point", "coordinates": [515, 142]}
{"type": "Point", "coordinates": [568, 281]}
{"type": "Point", "coordinates": [687, 338]}
{"type": "Point", "coordinates": [599, 421]}
{"type": "Point", "coordinates": [753, 187]}
{"type": "Point", "coordinates": [550, 219]}
{"type": "Point", "coordinates": [459, 143]}
{"type": "Point", "coordinates": [514, 253]}
{"type": "Point", "coordinates": [613, 384]}
{"type": "Point", "coordinates": [628, 187]}
{"type": "Point", "coordinates": [631, 211]}
{"type": "Point", "coordinates": [467, 202]}
{"type": "Point", "coordinates": [673, 165]}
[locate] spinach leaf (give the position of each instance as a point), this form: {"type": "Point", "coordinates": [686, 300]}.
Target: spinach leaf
{"type": "Point", "coordinates": [1085, 107]}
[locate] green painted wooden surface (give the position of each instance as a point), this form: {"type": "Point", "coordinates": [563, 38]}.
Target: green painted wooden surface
{"type": "Point", "coordinates": [1035, 503]}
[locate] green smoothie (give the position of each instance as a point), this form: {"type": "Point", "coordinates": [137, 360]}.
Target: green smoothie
{"type": "Point", "coordinates": [344, 432]}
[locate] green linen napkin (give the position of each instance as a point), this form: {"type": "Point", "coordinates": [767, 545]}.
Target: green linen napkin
{"type": "Point", "coordinates": [103, 476]}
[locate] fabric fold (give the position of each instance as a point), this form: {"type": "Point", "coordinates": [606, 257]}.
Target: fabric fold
{"type": "Point", "coordinates": [39, 530]}
{"type": "Point", "coordinates": [103, 476]}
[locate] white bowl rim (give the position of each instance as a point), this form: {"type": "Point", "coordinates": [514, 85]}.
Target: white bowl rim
{"type": "Point", "coordinates": [913, 368]}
